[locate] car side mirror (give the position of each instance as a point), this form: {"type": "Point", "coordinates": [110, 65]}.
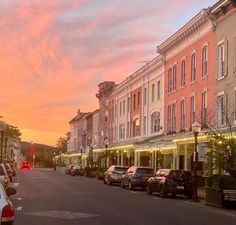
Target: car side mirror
{"type": "Point", "coordinates": [10, 191]}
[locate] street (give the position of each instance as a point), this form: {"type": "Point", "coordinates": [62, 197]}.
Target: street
{"type": "Point", "coordinates": [46, 197]}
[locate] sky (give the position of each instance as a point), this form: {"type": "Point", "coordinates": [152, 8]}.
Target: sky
{"type": "Point", "coordinates": [54, 53]}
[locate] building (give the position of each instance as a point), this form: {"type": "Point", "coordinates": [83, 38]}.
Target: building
{"type": "Point", "coordinates": [189, 84]}
{"type": "Point", "coordinates": [225, 66]}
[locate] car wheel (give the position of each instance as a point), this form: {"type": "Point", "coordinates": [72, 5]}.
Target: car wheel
{"type": "Point", "coordinates": [109, 182]}
{"type": "Point", "coordinates": [163, 192]}
{"type": "Point", "coordinates": [130, 186]}
{"type": "Point", "coordinates": [189, 195]}
{"type": "Point", "coordinates": [149, 190]}
{"type": "Point", "coordinates": [122, 184]}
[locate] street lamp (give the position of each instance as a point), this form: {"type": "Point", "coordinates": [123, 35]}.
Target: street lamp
{"type": "Point", "coordinates": [196, 128]}
{"type": "Point", "coordinates": [106, 146]}
{"type": "Point", "coordinates": [3, 127]}
{"type": "Point", "coordinates": [81, 152]}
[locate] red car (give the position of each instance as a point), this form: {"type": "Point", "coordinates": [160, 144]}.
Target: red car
{"type": "Point", "coordinates": [25, 165]}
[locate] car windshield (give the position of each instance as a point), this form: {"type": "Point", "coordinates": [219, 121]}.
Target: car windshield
{"type": "Point", "coordinates": [144, 171]}
{"type": "Point", "coordinates": [120, 169]}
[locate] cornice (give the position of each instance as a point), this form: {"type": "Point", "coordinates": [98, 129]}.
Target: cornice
{"type": "Point", "coordinates": [147, 68]}
{"type": "Point", "coordinates": [190, 28]}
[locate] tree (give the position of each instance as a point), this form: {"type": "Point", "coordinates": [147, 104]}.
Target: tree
{"type": "Point", "coordinates": [61, 144]}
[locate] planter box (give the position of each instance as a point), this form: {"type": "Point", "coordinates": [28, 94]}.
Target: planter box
{"type": "Point", "coordinates": [214, 197]}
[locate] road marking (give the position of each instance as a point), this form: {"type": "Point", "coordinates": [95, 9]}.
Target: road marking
{"type": "Point", "coordinates": [156, 198]}
{"type": "Point", "coordinates": [115, 187]}
{"type": "Point", "coordinates": [19, 208]}
{"type": "Point", "coordinates": [19, 199]}
{"type": "Point", "coordinates": [63, 214]}
{"type": "Point", "coordinates": [16, 184]}
{"type": "Point", "coordinates": [133, 192]}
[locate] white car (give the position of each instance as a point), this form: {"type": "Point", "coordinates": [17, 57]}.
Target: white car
{"type": "Point", "coordinates": [6, 207]}
{"type": "Point", "coordinates": [4, 178]}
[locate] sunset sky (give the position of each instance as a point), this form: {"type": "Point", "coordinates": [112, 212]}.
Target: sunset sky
{"type": "Point", "coordinates": [54, 53]}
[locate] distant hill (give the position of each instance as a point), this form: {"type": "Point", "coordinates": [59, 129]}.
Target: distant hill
{"type": "Point", "coordinates": [26, 145]}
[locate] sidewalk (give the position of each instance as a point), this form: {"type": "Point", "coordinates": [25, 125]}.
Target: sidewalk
{"type": "Point", "coordinates": [202, 204]}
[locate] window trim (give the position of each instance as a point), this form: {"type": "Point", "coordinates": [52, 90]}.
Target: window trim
{"type": "Point", "coordinates": [193, 69]}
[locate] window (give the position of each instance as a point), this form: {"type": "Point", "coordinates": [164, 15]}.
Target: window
{"type": "Point", "coordinates": [204, 61]}
{"type": "Point", "coordinates": [193, 67]}
{"type": "Point", "coordinates": [144, 125]}
{"type": "Point", "coordinates": [106, 116]}
{"type": "Point", "coordinates": [183, 72]}
{"type": "Point", "coordinates": [134, 103]}
{"type": "Point", "coordinates": [155, 122]}
{"type": "Point", "coordinates": [234, 54]}
{"type": "Point", "coordinates": [153, 92]}
{"type": "Point", "coordinates": [115, 110]}
{"type": "Point", "coordinates": [221, 110]}
{"type": "Point", "coordinates": [138, 98]}
{"type": "Point", "coordinates": [182, 114]}
{"type": "Point", "coordinates": [170, 80]}
{"type": "Point", "coordinates": [169, 117]}
{"type": "Point", "coordinates": [123, 106]}
{"type": "Point", "coordinates": [192, 110]}
{"type": "Point", "coordinates": [127, 133]}
{"type": "Point", "coordinates": [174, 77]}
{"type": "Point", "coordinates": [221, 60]}
{"type": "Point", "coordinates": [120, 108]}
{"type": "Point", "coordinates": [136, 128]}
{"type": "Point", "coordinates": [173, 117]}
{"type": "Point", "coordinates": [121, 131]}
{"type": "Point", "coordinates": [145, 96]}
{"type": "Point", "coordinates": [128, 104]}
{"type": "Point", "coordinates": [158, 90]}
{"type": "Point", "coordinates": [203, 107]}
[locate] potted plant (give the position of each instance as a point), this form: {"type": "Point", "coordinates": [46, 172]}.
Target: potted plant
{"type": "Point", "coordinates": [217, 186]}
{"type": "Point", "coordinates": [100, 173]}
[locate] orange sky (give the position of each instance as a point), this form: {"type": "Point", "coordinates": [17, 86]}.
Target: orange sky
{"type": "Point", "coordinates": [53, 54]}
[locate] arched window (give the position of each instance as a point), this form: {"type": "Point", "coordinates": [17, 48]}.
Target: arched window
{"type": "Point", "coordinates": [155, 122]}
{"type": "Point", "coordinates": [174, 77]}
{"type": "Point", "coordinates": [193, 66]}
{"type": "Point", "coordinates": [136, 128]}
{"type": "Point", "coordinates": [122, 131]}
{"type": "Point", "coordinates": [170, 80]}
{"type": "Point", "coordinates": [183, 72]}
{"type": "Point", "coordinates": [204, 61]}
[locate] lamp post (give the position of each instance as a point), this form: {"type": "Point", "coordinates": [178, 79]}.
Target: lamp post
{"type": "Point", "coordinates": [196, 128]}
{"type": "Point", "coordinates": [81, 153]}
{"type": "Point", "coordinates": [106, 146]}
{"type": "Point", "coordinates": [3, 126]}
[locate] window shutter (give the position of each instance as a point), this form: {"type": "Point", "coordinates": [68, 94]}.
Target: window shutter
{"type": "Point", "coordinates": [226, 58]}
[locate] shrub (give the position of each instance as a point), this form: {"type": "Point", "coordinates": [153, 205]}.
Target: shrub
{"type": "Point", "coordinates": [222, 182]}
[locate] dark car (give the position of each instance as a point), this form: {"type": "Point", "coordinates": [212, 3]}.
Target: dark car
{"type": "Point", "coordinates": [13, 169]}
{"type": "Point", "coordinates": [25, 165]}
{"type": "Point", "coordinates": [77, 170]}
{"type": "Point", "coordinates": [9, 171]}
{"type": "Point", "coordinates": [136, 176]}
{"type": "Point", "coordinates": [114, 174]}
{"type": "Point", "coordinates": [171, 181]}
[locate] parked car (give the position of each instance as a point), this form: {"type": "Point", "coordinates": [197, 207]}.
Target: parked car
{"type": "Point", "coordinates": [136, 176]}
{"type": "Point", "coordinates": [9, 171]}
{"type": "Point", "coordinates": [4, 178]}
{"type": "Point", "coordinates": [12, 165]}
{"type": "Point", "coordinates": [114, 174]}
{"type": "Point", "coordinates": [171, 181]}
{"type": "Point", "coordinates": [68, 170]}
{"type": "Point", "coordinates": [25, 165]}
{"type": "Point", "coordinates": [6, 207]}
{"type": "Point", "coordinates": [77, 170]}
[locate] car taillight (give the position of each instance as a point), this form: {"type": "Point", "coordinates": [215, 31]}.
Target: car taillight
{"type": "Point", "coordinates": [7, 213]}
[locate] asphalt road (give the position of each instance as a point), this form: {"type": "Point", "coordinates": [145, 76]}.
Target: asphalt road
{"type": "Point", "coordinates": [47, 198]}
